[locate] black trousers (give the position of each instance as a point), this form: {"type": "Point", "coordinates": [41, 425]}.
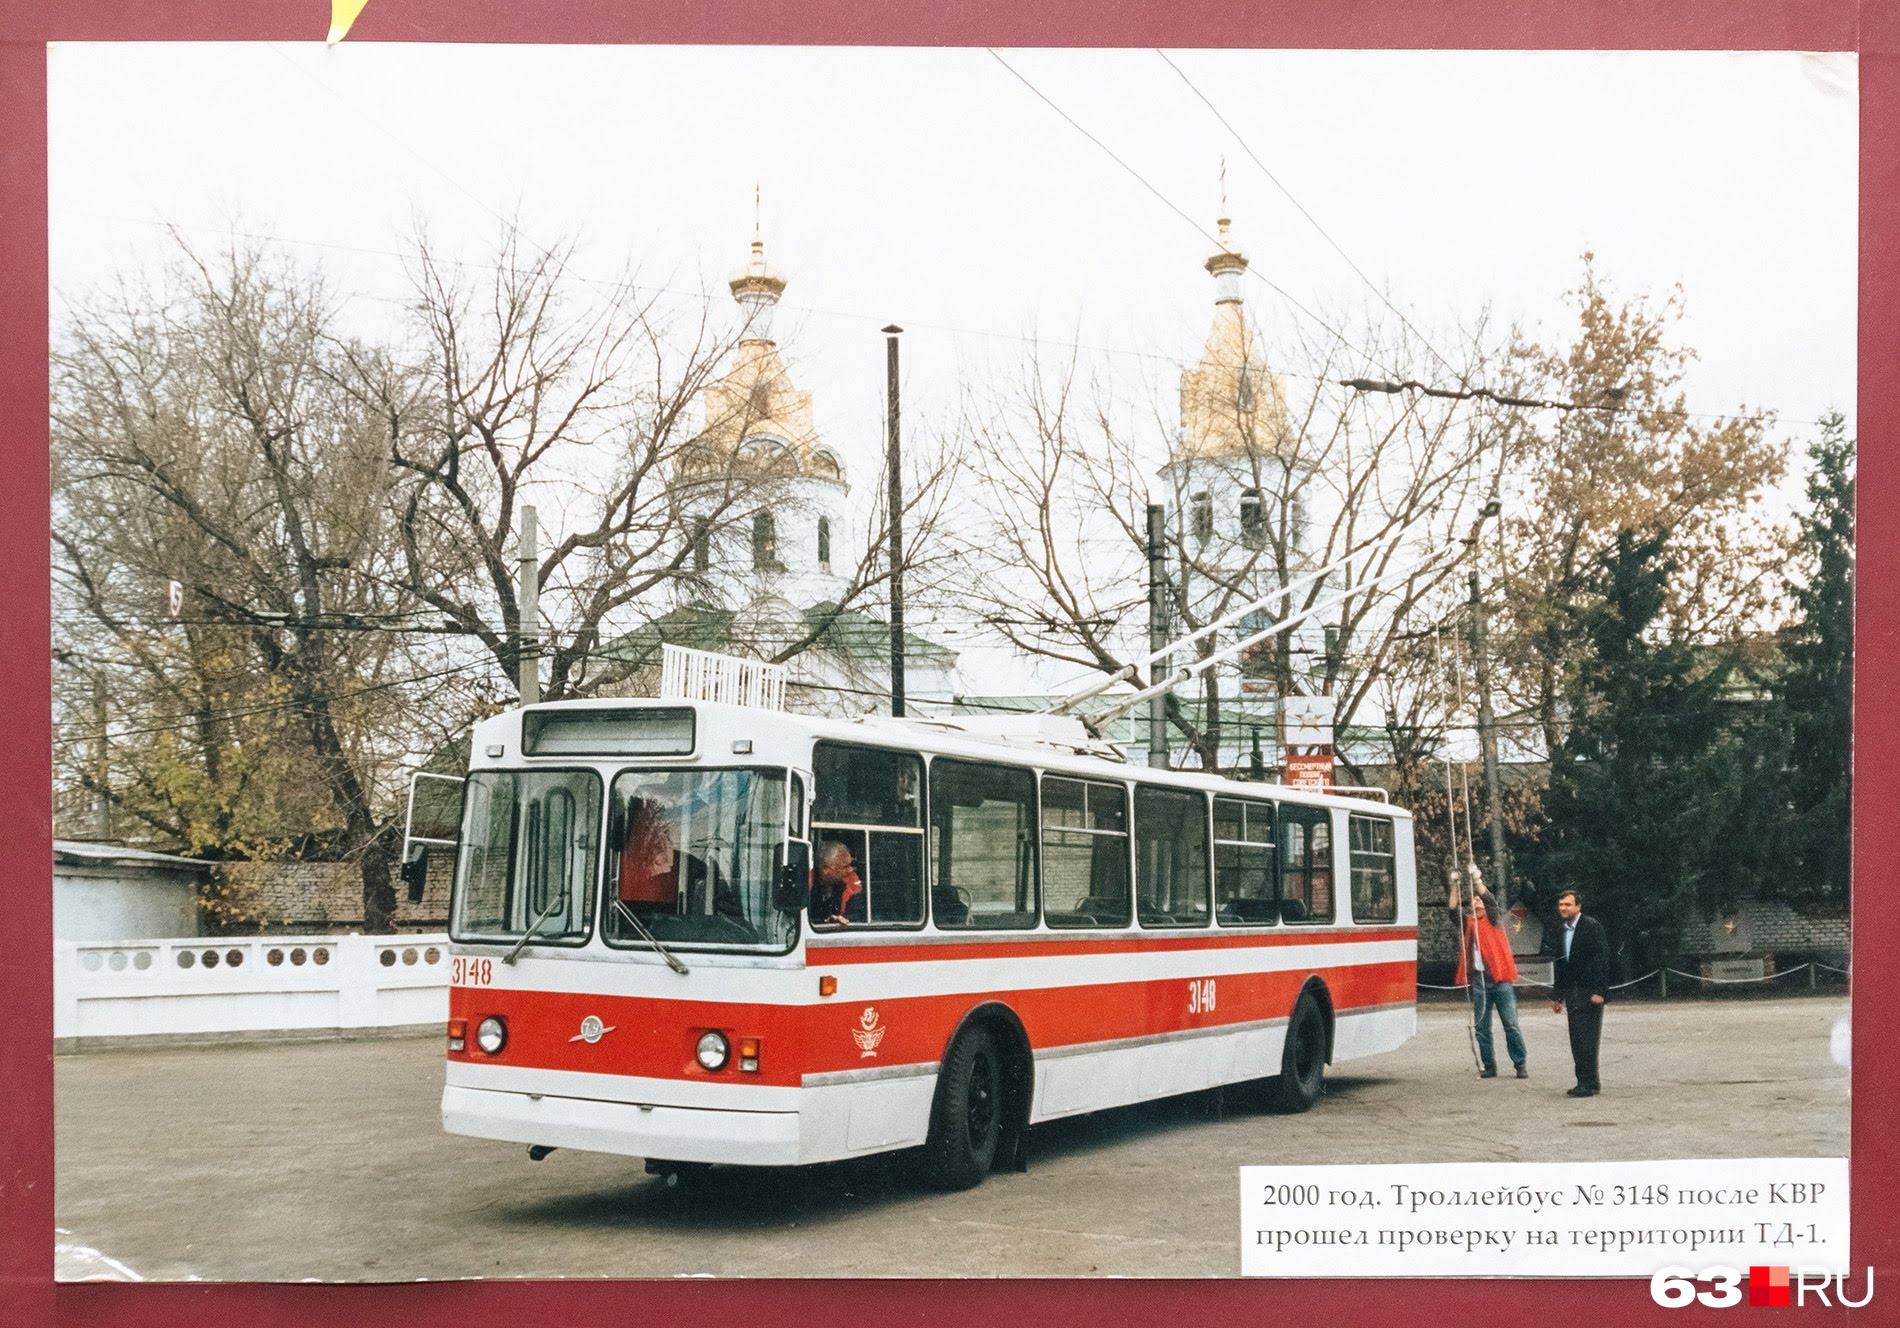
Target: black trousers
{"type": "Point", "coordinates": [1586, 1035]}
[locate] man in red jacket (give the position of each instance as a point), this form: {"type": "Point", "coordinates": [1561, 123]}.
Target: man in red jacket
{"type": "Point", "coordinates": [1484, 959]}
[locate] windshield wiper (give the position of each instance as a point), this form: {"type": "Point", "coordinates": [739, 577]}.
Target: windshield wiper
{"type": "Point", "coordinates": [650, 938]}
{"type": "Point", "coordinates": [528, 935]}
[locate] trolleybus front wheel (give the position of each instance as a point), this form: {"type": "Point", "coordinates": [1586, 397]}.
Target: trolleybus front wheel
{"type": "Point", "coordinates": [967, 1120]}
{"type": "Point", "coordinates": [1302, 1061]}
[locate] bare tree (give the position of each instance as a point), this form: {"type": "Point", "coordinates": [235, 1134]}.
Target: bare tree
{"type": "Point", "coordinates": [200, 437]}
{"type": "Point", "coordinates": [1262, 486]}
{"type": "Point", "coordinates": [596, 401]}
{"type": "Point", "coordinates": [528, 383]}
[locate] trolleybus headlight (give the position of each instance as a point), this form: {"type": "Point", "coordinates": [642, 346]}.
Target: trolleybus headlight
{"type": "Point", "coordinates": [491, 1035]}
{"type": "Point", "coordinates": [713, 1050]}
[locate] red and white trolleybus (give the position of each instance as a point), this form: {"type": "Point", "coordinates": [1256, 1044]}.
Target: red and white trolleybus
{"type": "Point", "coordinates": [705, 933]}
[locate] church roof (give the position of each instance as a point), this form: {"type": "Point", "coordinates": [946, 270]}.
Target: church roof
{"type": "Point", "coordinates": [755, 414]}
{"type": "Point", "coordinates": [851, 633]}
{"type": "Point", "coordinates": [1232, 404]}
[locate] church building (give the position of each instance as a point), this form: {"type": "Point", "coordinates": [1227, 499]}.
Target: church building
{"type": "Point", "coordinates": [776, 549]}
{"type": "Point", "coordinates": [1241, 494]}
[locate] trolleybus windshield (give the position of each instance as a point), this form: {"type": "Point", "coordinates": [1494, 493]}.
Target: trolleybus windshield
{"type": "Point", "coordinates": [692, 857]}
{"type": "Point", "coordinates": [530, 855]}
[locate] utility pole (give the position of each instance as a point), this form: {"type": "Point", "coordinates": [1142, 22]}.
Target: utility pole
{"type": "Point", "coordinates": [101, 763]}
{"type": "Point", "coordinates": [895, 479]}
{"type": "Point", "coordinates": [1157, 633]}
{"type": "Point", "coordinates": [1487, 728]}
{"type": "Point", "coordinates": [527, 631]}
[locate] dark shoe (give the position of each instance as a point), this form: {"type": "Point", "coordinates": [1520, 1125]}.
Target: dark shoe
{"type": "Point", "coordinates": [1488, 1072]}
{"type": "Point", "coordinates": [1580, 1092]}
{"type": "Point", "coordinates": [1523, 1073]}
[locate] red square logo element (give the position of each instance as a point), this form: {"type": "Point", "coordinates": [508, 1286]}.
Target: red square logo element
{"type": "Point", "coordinates": [1768, 1286]}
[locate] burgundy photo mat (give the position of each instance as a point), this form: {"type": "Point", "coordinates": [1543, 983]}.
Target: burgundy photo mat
{"type": "Point", "coordinates": [28, 1295]}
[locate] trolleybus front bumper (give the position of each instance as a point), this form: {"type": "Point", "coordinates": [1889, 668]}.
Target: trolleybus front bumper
{"type": "Point", "coordinates": [675, 1134]}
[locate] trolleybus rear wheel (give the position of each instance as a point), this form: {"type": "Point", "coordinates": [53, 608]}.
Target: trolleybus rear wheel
{"type": "Point", "coordinates": [966, 1122]}
{"type": "Point", "coordinates": [1303, 1060]}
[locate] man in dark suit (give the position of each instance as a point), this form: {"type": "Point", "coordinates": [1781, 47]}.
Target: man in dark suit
{"type": "Point", "coordinates": [1582, 984]}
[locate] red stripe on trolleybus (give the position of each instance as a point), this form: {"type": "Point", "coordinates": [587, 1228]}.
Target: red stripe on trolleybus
{"type": "Point", "coordinates": [654, 1038]}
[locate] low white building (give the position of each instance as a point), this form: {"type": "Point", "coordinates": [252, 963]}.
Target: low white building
{"type": "Point", "coordinates": [107, 892]}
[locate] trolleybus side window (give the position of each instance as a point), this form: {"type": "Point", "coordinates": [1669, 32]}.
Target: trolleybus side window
{"type": "Point", "coordinates": [1375, 878]}
{"type": "Point", "coordinates": [1306, 864]}
{"type": "Point", "coordinates": [1170, 858]}
{"type": "Point", "coordinates": [694, 857]}
{"type": "Point", "coordinates": [1245, 889]}
{"type": "Point", "coordinates": [983, 845]}
{"type": "Point", "coordinates": [1084, 853]}
{"type": "Point", "coordinates": [530, 849]}
{"type": "Point", "coordinates": [869, 801]}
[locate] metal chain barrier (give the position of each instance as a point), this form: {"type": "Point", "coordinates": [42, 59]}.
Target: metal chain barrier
{"type": "Point", "coordinates": [1766, 977]}
{"type": "Point", "coordinates": [1694, 977]}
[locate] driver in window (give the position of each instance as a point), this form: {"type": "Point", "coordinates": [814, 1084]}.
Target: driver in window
{"type": "Point", "coordinates": [834, 883]}
{"type": "Point", "coordinates": [649, 864]}
{"type": "Point", "coordinates": [652, 870]}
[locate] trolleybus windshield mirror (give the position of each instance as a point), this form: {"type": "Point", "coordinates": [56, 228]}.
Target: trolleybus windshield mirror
{"type": "Point", "coordinates": [794, 878]}
{"type": "Point", "coordinates": [415, 872]}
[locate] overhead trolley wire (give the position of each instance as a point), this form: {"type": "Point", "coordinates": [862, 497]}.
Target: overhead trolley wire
{"type": "Point", "coordinates": [1176, 208]}
{"type": "Point", "coordinates": [1301, 208]}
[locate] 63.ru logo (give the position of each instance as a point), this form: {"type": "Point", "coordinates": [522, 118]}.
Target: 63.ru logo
{"type": "Point", "coordinates": [1767, 1285]}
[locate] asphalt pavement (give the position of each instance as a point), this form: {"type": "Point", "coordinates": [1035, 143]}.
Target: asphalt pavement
{"type": "Point", "coordinates": [326, 1161]}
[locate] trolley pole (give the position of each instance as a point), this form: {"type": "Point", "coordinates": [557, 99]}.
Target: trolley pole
{"type": "Point", "coordinates": [1157, 632]}
{"type": "Point", "coordinates": [1487, 725]}
{"type": "Point", "coordinates": [527, 633]}
{"type": "Point", "coordinates": [895, 478]}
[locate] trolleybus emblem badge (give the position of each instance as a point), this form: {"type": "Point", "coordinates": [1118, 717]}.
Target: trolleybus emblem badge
{"type": "Point", "coordinates": [868, 1034]}
{"type": "Point", "coordinates": [592, 1030]}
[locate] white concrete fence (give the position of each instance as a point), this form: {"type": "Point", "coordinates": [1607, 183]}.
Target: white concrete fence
{"type": "Point", "coordinates": [211, 986]}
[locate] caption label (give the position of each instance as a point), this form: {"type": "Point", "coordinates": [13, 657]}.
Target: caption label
{"type": "Point", "coordinates": [1550, 1219]}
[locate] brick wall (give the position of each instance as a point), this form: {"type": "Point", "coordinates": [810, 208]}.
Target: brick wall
{"type": "Point", "coordinates": [1437, 938]}
{"type": "Point", "coordinates": [317, 897]}
{"type": "Point", "coordinates": [1769, 926]}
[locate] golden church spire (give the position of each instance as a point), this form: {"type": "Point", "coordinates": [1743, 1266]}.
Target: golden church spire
{"type": "Point", "coordinates": [1227, 262]}
{"type": "Point", "coordinates": [1232, 405]}
{"type": "Point", "coordinates": [756, 286]}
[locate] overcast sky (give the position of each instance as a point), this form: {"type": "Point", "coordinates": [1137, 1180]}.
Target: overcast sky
{"type": "Point", "coordinates": [933, 188]}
